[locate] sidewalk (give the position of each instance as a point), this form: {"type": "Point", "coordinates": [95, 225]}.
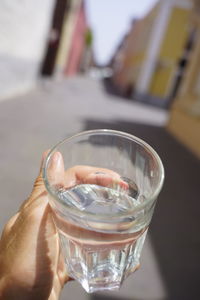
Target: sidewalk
{"type": "Point", "coordinates": [36, 121]}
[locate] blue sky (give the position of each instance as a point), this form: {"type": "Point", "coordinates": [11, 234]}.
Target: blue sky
{"type": "Point", "coordinates": [110, 20]}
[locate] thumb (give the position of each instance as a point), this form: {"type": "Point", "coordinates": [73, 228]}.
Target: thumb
{"type": "Point", "coordinates": [55, 173]}
{"type": "Point", "coordinates": [39, 186]}
{"type": "Point", "coordinates": [55, 176]}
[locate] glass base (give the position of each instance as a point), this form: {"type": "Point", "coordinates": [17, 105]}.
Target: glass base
{"type": "Point", "coordinates": [101, 268]}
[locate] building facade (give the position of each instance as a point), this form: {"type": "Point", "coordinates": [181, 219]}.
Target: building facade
{"type": "Point", "coordinates": [78, 42]}
{"type": "Point", "coordinates": [184, 122]}
{"type": "Point", "coordinates": [24, 27]}
{"type": "Point", "coordinates": [64, 51]}
{"type": "Point", "coordinates": [72, 41]}
{"type": "Point", "coordinates": [39, 38]}
{"type": "Point", "coordinates": [153, 50]}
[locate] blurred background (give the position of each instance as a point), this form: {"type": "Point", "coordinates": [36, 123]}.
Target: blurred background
{"type": "Point", "coordinates": [134, 66]}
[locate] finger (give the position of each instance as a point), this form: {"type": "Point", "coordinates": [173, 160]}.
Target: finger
{"type": "Point", "coordinates": [137, 267]}
{"type": "Point", "coordinates": [106, 179]}
{"type": "Point", "coordinates": [93, 175]}
{"type": "Point", "coordinates": [56, 170]}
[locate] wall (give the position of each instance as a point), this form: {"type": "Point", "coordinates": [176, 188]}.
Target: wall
{"type": "Point", "coordinates": [152, 49]}
{"type": "Point", "coordinates": [184, 121]}
{"type": "Point", "coordinates": [24, 26]}
{"type": "Point", "coordinates": [159, 22]}
{"type": "Point", "coordinates": [171, 50]}
{"type": "Point", "coordinates": [185, 128]}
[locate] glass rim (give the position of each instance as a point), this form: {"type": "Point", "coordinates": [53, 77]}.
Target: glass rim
{"type": "Point", "coordinates": [76, 211]}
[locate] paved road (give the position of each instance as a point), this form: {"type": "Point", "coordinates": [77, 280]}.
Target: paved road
{"type": "Point", "coordinates": [37, 120]}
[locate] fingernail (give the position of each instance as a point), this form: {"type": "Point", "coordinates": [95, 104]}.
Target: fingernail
{"type": "Point", "coordinates": [120, 184]}
{"type": "Point", "coordinates": [56, 157]}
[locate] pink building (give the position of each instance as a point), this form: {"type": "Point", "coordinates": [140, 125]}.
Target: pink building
{"type": "Point", "coordinates": [66, 43]}
{"type": "Point", "coordinates": [77, 43]}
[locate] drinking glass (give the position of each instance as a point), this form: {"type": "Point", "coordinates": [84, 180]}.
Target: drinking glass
{"type": "Point", "coordinates": [102, 202]}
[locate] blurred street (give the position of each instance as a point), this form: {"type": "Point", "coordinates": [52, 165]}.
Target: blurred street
{"type": "Point", "coordinates": [34, 122]}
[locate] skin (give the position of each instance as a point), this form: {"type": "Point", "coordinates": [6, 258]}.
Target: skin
{"type": "Point", "coordinates": [31, 262]}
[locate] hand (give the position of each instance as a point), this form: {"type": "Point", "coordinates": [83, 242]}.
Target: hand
{"type": "Point", "coordinates": [31, 262]}
{"type": "Point", "coordinates": [31, 265]}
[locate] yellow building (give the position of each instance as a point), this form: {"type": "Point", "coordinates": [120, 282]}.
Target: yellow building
{"type": "Point", "coordinates": [153, 50]}
{"type": "Point", "coordinates": [184, 120]}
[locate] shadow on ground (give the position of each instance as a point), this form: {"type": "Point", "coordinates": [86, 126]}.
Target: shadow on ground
{"type": "Point", "coordinates": [174, 230]}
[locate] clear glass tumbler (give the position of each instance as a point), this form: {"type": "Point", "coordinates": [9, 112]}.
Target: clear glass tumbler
{"type": "Point", "coordinates": [102, 198]}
